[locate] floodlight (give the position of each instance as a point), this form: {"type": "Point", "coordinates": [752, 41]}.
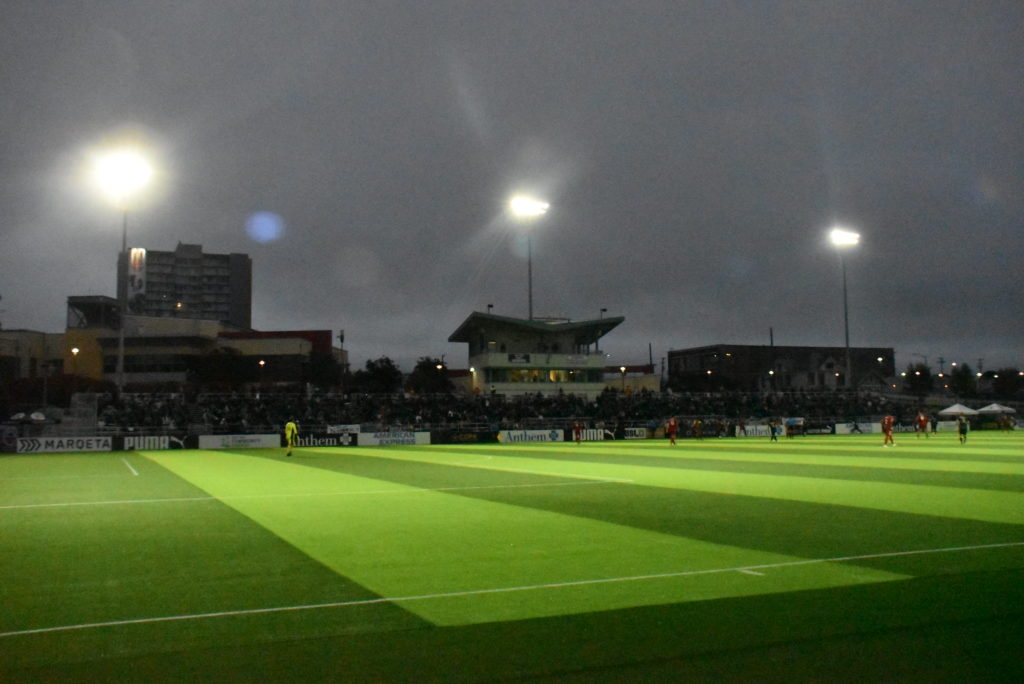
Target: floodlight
{"type": "Point", "coordinates": [121, 172]}
{"type": "Point", "coordinates": [526, 207]}
{"type": "Point", "coordinates": [844, 238]}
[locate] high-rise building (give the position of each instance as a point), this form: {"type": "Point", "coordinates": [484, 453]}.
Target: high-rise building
{"type": "Point", "coordinates": [187, 283]}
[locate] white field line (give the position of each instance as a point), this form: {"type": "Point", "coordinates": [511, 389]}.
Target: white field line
{"type": "Point", "coordinates": [753, 569]}
{"type": "Point", "coordinates": [134, 471]}
{"type": "Point", "coordinates": [60, 477]}
{"type": "Point", "coordinates": [410, 490]}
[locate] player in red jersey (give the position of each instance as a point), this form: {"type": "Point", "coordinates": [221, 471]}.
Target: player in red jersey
{"type": "Point", "coordinates": [921, 425]}
{"type": "Point", "coordinates": [671, 430]}
{"type": "Point", "coordinates": [577, 431]}
{"type": "Point", "coordinates": [888, 423]}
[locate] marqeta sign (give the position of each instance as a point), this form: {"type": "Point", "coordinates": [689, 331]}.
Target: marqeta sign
{"type": "Point", "coordinates": [45, 445]}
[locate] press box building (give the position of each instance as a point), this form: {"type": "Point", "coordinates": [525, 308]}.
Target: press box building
{"type": "Point", "coordinates": [515, 356]}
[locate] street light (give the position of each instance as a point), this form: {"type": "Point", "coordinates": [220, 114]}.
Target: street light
{"type": "Point", "coordinates": [121, 173]}
{"type": "Point", "coordinates": [842, 239]}
{"type": "Point", "coordinates": [525, 209]}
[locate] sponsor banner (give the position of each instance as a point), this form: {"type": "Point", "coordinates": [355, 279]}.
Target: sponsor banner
{"type": "Point", "coordinates": [588, 435]}
{"type": "Point", "coordinates": [636, 433]}
{"type": "Point", "coordinates": [821, 430]}
{"type": "Point", "coordinates": [463, 437]}
{"type": "Point", "coordinates": [854, 428]}
{"type": "Point", "coordinates": [343, 429]}
{"type": "Point", "coordinates": [324, 440]}
{"type": "Point", "coordinates": [153, 442]}
{"type": "Point", "coordinates": [42, 445]}
{"type": "Point", "coordinates": [238, 441]}
{"type": "Point", "coordinates": [136, 297]}
{"type": "Point", "coordinates": [392, 438]}
{"type": "Point", "coordinates": [513, 436]}
{"type": "Point", "coordinates": [798, 430]}
{"type": "Point", "coordinates": [757, 431]}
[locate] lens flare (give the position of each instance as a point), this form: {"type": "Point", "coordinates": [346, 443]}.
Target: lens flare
{"type": "Point", "coordinates": [264, 227]}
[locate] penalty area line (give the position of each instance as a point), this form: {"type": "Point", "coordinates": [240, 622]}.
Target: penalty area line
{"type": "Point", "coordinates": [746, 569]}
{"type": "Point", "coordinates": [134, 471]}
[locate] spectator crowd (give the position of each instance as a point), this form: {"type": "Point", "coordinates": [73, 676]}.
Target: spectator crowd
{"type": "Point", "coordinates": [262, 411]}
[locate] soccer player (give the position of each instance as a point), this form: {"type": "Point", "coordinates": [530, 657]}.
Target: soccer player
{"type": "Point", "coordinates": [962, 427]}
{"type": "Point", "coordinates": [921, 425]}
{"type": "Point", "coordinates": [291, 431]}
{"type": "Point", "coordinates": [671, 430]}
{"type": "Point", "coordinates": [577, 431]}
{"type": "Point", "coordinates": [888, 422]}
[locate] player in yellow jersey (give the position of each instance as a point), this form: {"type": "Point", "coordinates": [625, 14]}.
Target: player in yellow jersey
{"type": "Point", "coordinates": [291, 431]}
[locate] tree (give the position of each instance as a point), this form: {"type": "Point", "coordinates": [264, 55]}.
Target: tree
{"type": "Point", "coordinates": [918, 380]}
{"type": "Point", "coordinates": [381, 376]}
{"type": "Point", "coordinates": [324, 370]}
{"type": "Point", "coordinates": [1006, 382]}
{"type": "Point", "coordinates": [962, 381]}
{"type": "Point", "coordinates": [430, 376]}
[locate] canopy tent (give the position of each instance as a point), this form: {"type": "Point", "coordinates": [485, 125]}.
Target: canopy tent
{"type": "Point", "coordinates": [956, 410]}
{"type": "Point", "coordinates": [996, 408]}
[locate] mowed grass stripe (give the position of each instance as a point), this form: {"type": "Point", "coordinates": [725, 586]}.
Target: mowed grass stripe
{"type": "Point", "coordinates": [797, 528]}
{"type": "Point", "coordinates": [123, 562]}
{"type": "Point", "coordinates": [982, 447]}
{"type": "Point", "coordinates": [932, 474]}
{"type": "Point", "coordinates": [947, 456]}
{"type": "Point", "coordinates": [957, 502]}
{"type": "Point", "coordinates": [434, 543]}
{"type": "Point", "coordinates": [927, 459]}
{"type": "Point", "coordinates": [61, 478]}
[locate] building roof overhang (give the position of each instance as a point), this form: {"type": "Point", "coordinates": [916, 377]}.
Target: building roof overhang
{"type": "Point", "coordinates": [585, 331]}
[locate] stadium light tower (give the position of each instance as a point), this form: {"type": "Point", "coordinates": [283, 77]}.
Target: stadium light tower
{"type": "Point", "coordinates": [525, 209]}
{"type": "Point", "coordinates": [843, 239]}
{"type": "Point", "coordinates": [121, 174]}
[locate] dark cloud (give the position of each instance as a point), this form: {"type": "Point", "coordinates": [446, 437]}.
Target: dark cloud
{"type": "Point", "coordinates": [694, 155]}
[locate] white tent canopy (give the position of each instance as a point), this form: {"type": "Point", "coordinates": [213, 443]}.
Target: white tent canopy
{"type": "Point", "coordinates": [996, 408]}
{"type": "Point", "coordinates": [956, 410]}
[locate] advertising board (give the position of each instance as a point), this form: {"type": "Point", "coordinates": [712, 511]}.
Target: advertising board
{"type": "Point", "coordinates": [393, 438]}
{"type": "Point", "coordinates": [239, 441]}
{"type": "Point", "coordinates": [45, 445]}
{"type": "Point", "coordinates": [516, 436]}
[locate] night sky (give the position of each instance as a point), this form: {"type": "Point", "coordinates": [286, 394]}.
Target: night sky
{"type": "Point", "coordinates": [695, 155]}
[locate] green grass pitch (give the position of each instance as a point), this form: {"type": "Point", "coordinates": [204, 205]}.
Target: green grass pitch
{"type": "Point", "coordinates": [815, 558]}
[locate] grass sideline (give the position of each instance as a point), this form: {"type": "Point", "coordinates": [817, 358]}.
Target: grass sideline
{"type": "Point", "coordinates": [719, 560]}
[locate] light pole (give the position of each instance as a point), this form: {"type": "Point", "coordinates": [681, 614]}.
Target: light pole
{"type": "Point", "coordinates": [74, 367]}
{"type": "Point", "coordinates": [842, 239]}
{"type": "Point", "coordinates": [121, 173]}
{"type": "Point", "coordinates": [524, 209]}
{"type": "Point", "coordinates": [923, 358]}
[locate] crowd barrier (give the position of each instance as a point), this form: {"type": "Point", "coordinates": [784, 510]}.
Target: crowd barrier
{"type": "Point", "coordinates": [354, 435]}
